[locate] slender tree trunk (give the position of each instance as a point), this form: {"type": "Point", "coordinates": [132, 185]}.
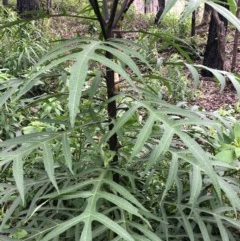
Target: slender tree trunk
{"type": "Point", "coordinates": [193, 27]}
{"type": "Point", "coordinates": [112, 13]}
{"type": "Point", "coordinates": [24, 6]}
{"type": "Point", "coordinates": [112, 106]}
{"type": "Point", "coordinates": [206, 14]}
{"type": "Point", "coordinates": [46, 5]}
{"type": "Point", "coordinates": [5, 2]}
{"type": "Point", "coordinates": [49, 4]}
{"type": "Point", "coordinates": [235, 45]}
{"type": "Point", "coordinates": [161, 7]}
{"type": "Point", "coordinates": [214, 56]}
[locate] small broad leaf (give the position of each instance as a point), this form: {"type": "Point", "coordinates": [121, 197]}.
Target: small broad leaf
{"type": "Point", "coordinates": [237, 152]}
{"type": "Point", "coordinates": [20, 234]}
{"type": "Point", "coordinates": [233, 6]}
{"type": "Point", "coordinates": [226, 156]}
{"type": "Point", "coordinates": [236, 131]}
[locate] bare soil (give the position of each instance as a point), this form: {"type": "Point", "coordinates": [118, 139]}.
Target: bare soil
{"type": "Point", "coordinates": [210, 95]}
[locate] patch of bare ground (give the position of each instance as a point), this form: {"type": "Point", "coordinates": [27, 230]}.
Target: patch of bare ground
{"type": "Point", "coordinates": [210, 97]}
{"type": "Point", "coordinates": [67, 27]}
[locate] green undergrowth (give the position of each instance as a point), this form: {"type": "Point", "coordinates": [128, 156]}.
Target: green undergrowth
{"type": "Point", "coordinates": [176, 175]}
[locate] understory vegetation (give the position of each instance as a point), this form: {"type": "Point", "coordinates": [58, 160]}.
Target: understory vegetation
{"type": "Point", "coordinates": [86, 158]}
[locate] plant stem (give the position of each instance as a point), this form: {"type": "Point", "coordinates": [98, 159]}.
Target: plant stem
{"type": "Point", "coordinates": [107, 30]}
{"type": "Point", "coordinates": [112, 114]}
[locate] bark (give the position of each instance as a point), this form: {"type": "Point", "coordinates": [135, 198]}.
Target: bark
{"type": "Point", "coordinates": [193, 27]}
{"type": "Point", "coordinates": [214, 56]}
{"type": "Point", "coordinates": [5, 2]}
{"type": "Point", "coordinates": [112, 12]}
{"type": "Point", "coordinates": [46, 5]}
{"type": "Point", "coordinates": [206, 14]}
{"type": "Point", "coordinates": [235, 44]}
{"type": "Point", "coordinates": [49, 4]}
{"type": "Point", "coordinates": [25, 6]}
{"type": "Point", "coordinates": [161, 7]}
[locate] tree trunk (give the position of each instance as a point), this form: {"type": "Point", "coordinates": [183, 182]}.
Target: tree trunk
{"type": "Point", "coordinates": [5, 2]}
{"type": "Point", "coordinates": [193, 27]}
{"type": "Point", "coordinates": [236, 37]}
{"type": "Point", "coordinates": [161, 7]}
{"type": "Point", "coordinates": [109, 19]}
{"type": "Point", "coordinates": [206, 14]}
{"type": "Point", "coordinates": [214, 55]}
{"type": "Point", "coordinates": [24, 6]}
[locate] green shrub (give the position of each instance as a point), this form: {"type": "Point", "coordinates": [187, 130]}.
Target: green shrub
{"type": "Point", "coordinates": [21, 44]}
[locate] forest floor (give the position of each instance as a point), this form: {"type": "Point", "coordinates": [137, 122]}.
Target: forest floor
{"type": "Point", "coordinates": [209, 95]}
{"type": "Point", "coordinates": [211, 98]}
